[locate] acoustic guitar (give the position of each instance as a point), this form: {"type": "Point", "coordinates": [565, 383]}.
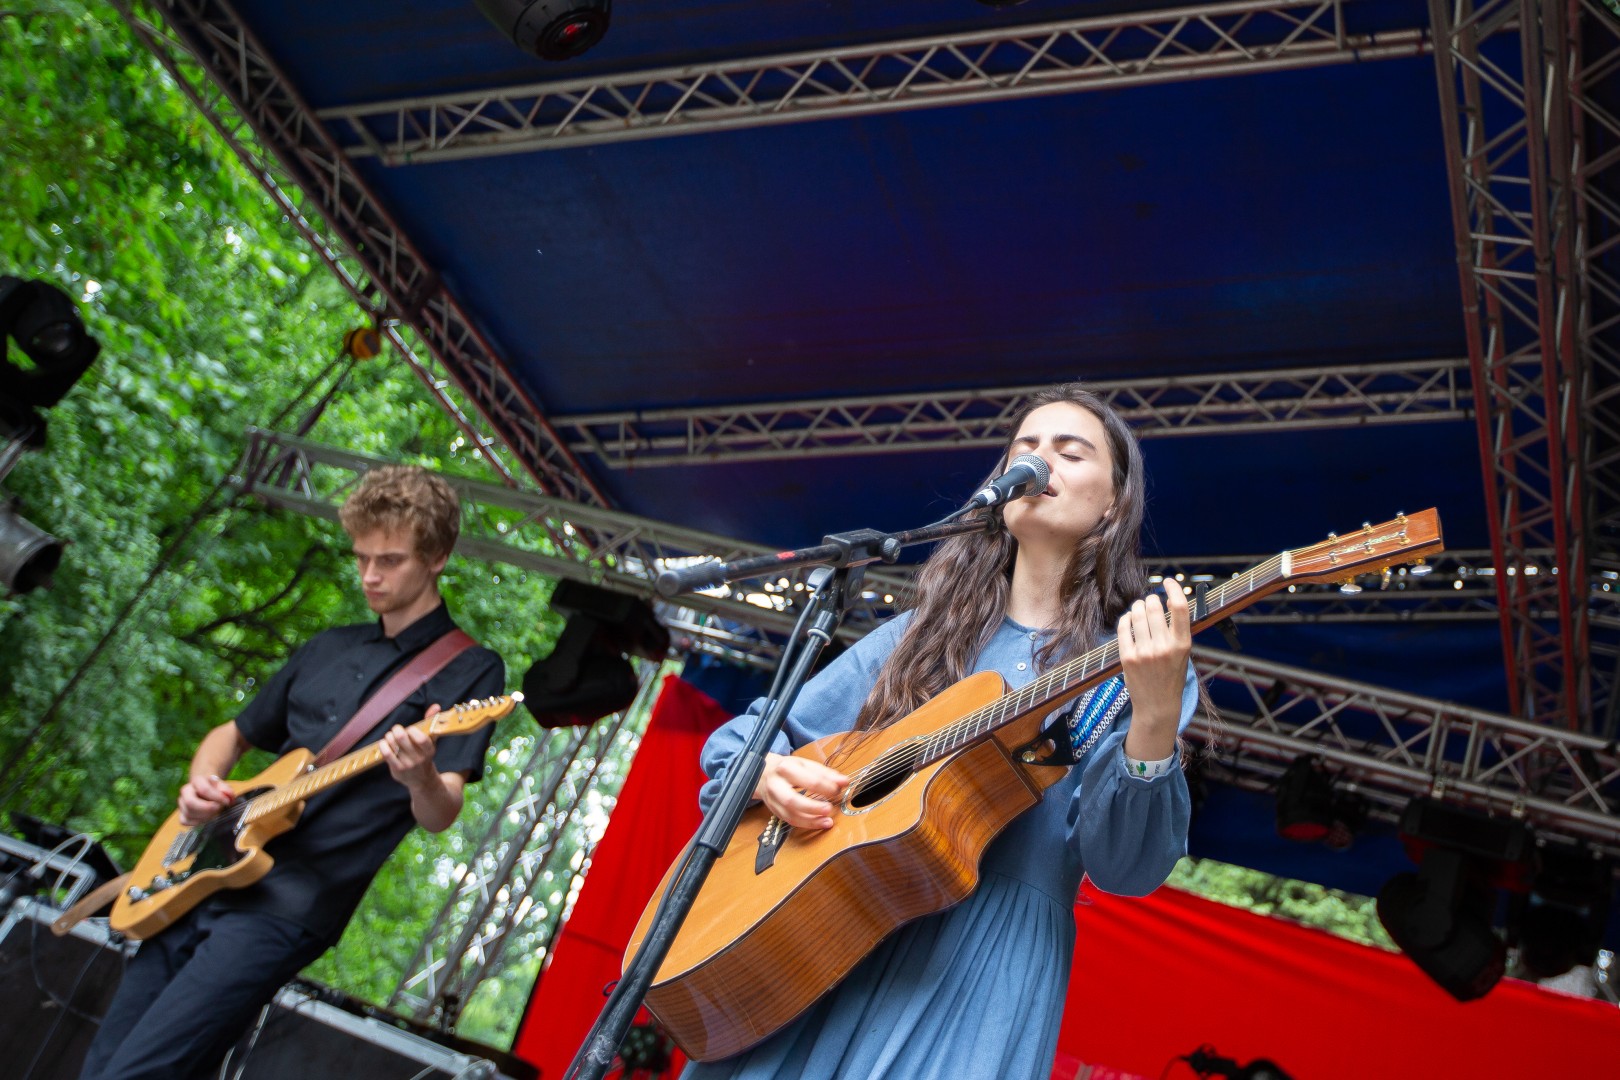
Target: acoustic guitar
{"type": "Point", "coordinates": [786, 913]}
{"type": "Point", "coordinates": [183, 865]}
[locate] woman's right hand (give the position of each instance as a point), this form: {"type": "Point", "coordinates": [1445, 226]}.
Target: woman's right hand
{"type": "Point", "coordinates": [203, 797]}
{"type": "Point", "coordinates": [799, 791]}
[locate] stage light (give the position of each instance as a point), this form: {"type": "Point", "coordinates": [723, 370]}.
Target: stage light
{"type": "Point", "coordinates": [1441, 917]}
{"type": "Point", "coordinates": [28, 554]}
{"type": "Point", "coordinates": [551, 29]}
{"type": "Point", "coordinates": [587, 676]}
{"type": "Point", "coordinates": [1560, 921]}
{"type": "Point", "coordinates": [1310, 809]}
{"type": "Point", "coordinates": [45, 324]}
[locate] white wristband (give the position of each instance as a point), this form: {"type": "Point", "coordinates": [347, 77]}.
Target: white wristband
{"type": "Point", "coordinates": [1147, 770]}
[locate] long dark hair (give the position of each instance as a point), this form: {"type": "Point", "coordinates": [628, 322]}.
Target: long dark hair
{"type": "Point", "coordinates": [960, 595]}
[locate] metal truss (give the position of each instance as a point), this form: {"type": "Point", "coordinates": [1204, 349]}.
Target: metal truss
{"type": "Point", "coordinates": [1294, 398]}
{"type": "Point", "coordinates": [554, 536]}
{"type": "Point", "coordinates": [1594, 59]}
{"type": "Point", "coordinates": [1392, 746]}
{"type": "Point", "coordinates": [530, 841]}
{"type": "Point", "coordinates": [1503, 71]}
{"type": "Point", "coordinates": [607, 548]}
{"type": "Point", "coordinates": [1104, 52]}
{"type": "Point", "coordinates": [227, 74]}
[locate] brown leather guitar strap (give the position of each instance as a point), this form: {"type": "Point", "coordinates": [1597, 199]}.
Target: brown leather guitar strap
{"type": "Point", "coordinates": [100, 897]}
{"type": "Point", "coordinates": [423, 666]}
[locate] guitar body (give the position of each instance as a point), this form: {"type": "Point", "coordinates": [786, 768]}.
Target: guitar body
{"type": "Point", "coordinates": [181, 867]}
{"type": "Point", "coordinates": [759, 948]}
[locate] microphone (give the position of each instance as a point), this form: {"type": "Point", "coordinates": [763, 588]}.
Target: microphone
{"type": "Point", "coordinates": [1026, 475]}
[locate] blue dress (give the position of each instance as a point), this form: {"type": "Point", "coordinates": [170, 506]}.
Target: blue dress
{"type": "Point", "coordinates": [977, 990]}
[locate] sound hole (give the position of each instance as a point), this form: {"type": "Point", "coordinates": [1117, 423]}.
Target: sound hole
{"type": "Point", "coordinates": [877, 783]}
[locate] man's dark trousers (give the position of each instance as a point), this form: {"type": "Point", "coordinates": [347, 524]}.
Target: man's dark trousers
{"type": "Point", "coordinates": [199, 985]}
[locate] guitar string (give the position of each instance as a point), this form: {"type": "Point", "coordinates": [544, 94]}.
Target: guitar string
{"type": "Point", "coordinates": [898, 761]}
{"type": "Point", "coordinates": [192, 838]}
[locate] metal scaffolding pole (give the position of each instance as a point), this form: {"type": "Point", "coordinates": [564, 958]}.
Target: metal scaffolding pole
{"type": "Point", "coordinates": [1400, 743]}
{"type": "Point", "coordinates": [1098, 53]}
{"type": "Point", "coordinates": [221, 66]}
{"type": "Point", "coordinates": [1392, 746]}
{"type": "Point", "coordinates": [1594, 94]}
{"type": "Point", "coordinates": [471, 939]}
{"type": "Point", "coordinates": [519, 527]}
{"type": "Point", "coordinates": [1505, 112]}
{"type": "Point", "coordinates": [1272, 401]}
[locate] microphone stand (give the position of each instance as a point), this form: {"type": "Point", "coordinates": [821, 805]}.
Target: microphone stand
{"type": "Point", "coordinates": [842, 558]}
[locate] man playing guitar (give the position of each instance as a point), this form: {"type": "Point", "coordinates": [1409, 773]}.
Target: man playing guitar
{"type": "Point", "coordinates": [191, 990]}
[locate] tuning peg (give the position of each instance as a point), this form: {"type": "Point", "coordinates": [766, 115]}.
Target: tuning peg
{"type": "Point", "coordinates": [1350, 587]}
{"type": "Point", "coordinates": [1420, 568]}
{"type": "Point", "coordinates": [1383, 579]}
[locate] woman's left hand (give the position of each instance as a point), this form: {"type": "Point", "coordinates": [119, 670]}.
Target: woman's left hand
{"type": "Point", "coordinates": [1154, 655]}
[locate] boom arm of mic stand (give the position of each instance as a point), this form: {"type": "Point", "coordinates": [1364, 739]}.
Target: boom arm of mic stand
{"type": "Point", "coordinates": [854, 548]}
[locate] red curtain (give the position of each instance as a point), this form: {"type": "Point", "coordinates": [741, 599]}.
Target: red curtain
{"type": "Point", "coordinates": [1157, 977]}
{"type": "Point", "coordinates": [1154, 978]}
{"type": "Point", "coordinates": [655, 816]}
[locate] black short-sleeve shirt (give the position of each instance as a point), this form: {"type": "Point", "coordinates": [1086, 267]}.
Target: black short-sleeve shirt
{"type": "Point", "coordinates": [325, 862]}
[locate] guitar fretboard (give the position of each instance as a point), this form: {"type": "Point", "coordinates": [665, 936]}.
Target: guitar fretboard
{"type": "Point", "coordinates": [318, 780]}
{"type": "Point", "coordinates": [1069, 679]}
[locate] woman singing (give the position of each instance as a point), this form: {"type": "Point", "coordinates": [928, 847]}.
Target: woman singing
{"type": "Point", "coordinates": [978, 990]}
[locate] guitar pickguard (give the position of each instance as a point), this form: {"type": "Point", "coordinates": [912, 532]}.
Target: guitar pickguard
{"type": "Point", "coordinates": [209, 846]}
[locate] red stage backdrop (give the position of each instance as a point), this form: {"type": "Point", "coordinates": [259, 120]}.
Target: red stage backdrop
{"type": "Point", "coordinates": [656, 815]}
{"type": "Point", "coordinates": [1153, 978]}
{"type": "Point", "coordinates": [1158, 976]}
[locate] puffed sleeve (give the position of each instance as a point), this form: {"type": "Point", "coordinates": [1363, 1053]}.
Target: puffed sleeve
{"type": "Point", "coordinates": [828, 704]}
{"type": "Point", "coordinates": [1127, 831]}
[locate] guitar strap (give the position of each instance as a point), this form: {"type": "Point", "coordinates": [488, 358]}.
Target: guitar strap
{"type": "Point", "coordinates": [423, 666]}
{"type": "Point", "coordinates": [1078, 727]}
{"type": "Point", "coordinates": [98, 898]}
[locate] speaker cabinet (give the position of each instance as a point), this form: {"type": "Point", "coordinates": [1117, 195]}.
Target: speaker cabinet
{"type": "Point", "coordinates": [53, 991]}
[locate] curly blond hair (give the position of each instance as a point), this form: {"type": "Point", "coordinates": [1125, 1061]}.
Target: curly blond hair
{"type": "Point", "coordinates": [405, 497]}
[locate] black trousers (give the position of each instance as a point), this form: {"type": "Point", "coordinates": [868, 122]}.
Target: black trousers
{"type": "Point", "coordinates": [191, 991]}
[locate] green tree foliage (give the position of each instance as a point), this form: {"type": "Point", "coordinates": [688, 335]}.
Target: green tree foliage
{"type": "Point", "coordinates": [1344, 914]}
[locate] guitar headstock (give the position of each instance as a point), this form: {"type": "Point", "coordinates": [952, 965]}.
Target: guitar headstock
{"type": "Point", "coordinates": [472, 715]}
{"type": "Point", "coordinates": [1369, 550]}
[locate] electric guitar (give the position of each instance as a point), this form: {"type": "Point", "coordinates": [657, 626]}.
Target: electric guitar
{"type": "Point", "coordinates": [786, 913]}
{"type": "Point", "coordinates": [185, 864]}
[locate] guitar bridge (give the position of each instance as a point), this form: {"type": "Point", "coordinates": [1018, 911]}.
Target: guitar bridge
{"type": "Point", "coordinates": [770, 841]}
